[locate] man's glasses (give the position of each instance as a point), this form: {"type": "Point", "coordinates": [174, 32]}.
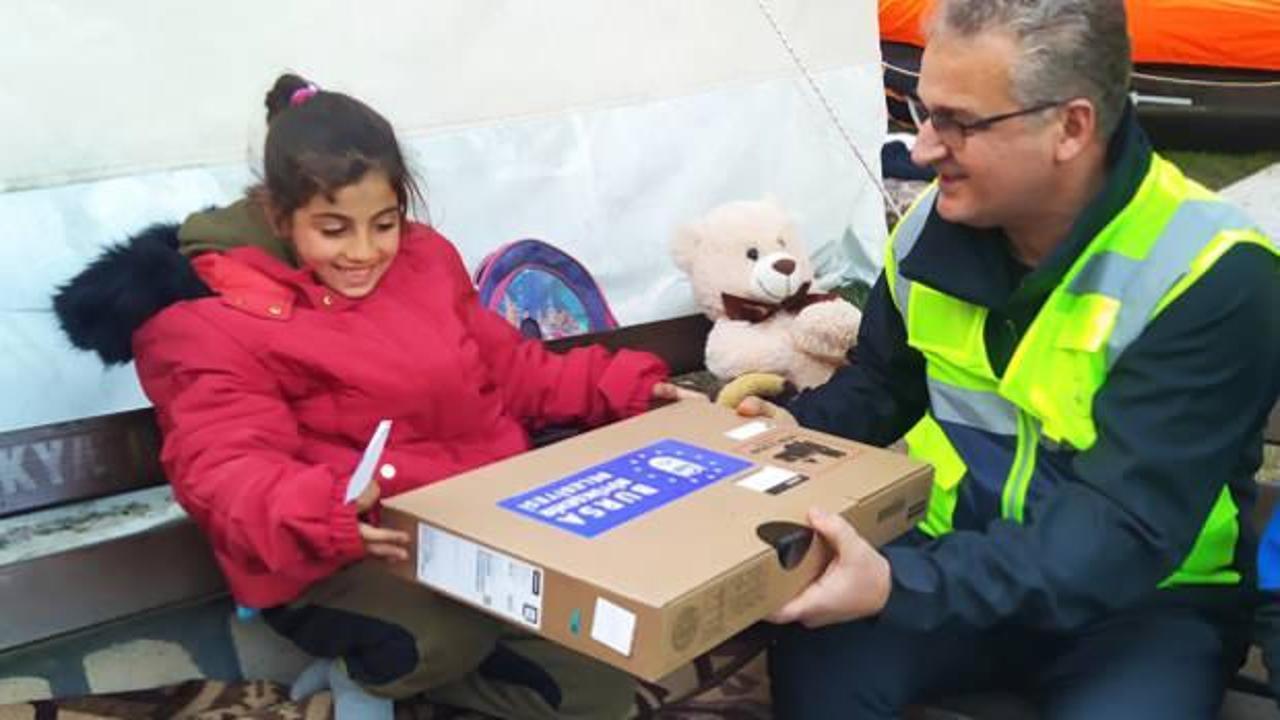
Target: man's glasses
{"type": "Point", "coordinates": [952, 132]}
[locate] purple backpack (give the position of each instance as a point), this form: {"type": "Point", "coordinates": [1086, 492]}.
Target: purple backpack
{"type": "Point", "coordinates": [543, 291]}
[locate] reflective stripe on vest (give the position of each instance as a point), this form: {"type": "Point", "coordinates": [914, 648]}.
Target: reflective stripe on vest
{"type": "Point", "coordinates": [1164, 240]}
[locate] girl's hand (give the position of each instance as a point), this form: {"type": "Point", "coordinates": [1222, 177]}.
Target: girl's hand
{"type": "Point", "coordinates": [383, 543]}
{"type": "Point", "coordinates": [671, 391]}
{"type": "Point", "coordinates": [368, 497]}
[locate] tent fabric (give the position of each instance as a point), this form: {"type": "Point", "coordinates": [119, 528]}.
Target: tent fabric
{"type": "Point", "coordinates": [602, 124]}
{"type": "Point", "coordinates": [97, 90]}
{"type": "Point", "coordinates": [1238, 34]}
{"type": "Point", "coordinates": [902, 21]}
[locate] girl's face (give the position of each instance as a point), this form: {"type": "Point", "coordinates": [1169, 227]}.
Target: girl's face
{"type": "Point", "coordinates": [349, 242]}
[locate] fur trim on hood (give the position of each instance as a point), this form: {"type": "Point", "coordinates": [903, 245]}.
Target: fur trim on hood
{"type": "Point", "coordinates": [100, 308]}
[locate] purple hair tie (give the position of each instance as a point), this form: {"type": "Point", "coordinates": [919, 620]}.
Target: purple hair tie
{"type": "Point", "coordinates": [303, 94]}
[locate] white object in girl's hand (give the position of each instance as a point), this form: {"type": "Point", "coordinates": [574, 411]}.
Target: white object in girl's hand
{"type": "Point", "coordinates": [372, 454]}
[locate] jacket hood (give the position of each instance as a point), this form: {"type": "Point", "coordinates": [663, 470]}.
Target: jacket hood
{"type": "Point", "coordinates": [100, 308]}
{"type": "Point", "coordinates": [236, 225]}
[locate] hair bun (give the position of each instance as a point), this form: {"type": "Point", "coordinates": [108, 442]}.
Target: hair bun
{"type": "Point", "coordinates": [281, 93]}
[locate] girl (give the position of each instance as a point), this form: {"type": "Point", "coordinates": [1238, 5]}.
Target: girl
{"type": "Point", "coordinates": [317, 308]}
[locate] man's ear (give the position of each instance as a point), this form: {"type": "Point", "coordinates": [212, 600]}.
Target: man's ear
{"type": "Point", "coordinates": [1078, 129]}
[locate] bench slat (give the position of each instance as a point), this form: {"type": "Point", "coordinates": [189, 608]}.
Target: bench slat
{"type": "Point", "coordinates": [66, 462]}
{"type": "Point", "coordinates": [681, 341]}
{"type": "Point", "coordinates": [59, 593]}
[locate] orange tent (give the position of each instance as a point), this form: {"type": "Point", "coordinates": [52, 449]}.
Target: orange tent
{"type": "Point", "coordinates": [1241, 34]}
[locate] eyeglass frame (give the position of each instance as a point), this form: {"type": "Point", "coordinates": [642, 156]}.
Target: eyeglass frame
{"type": "Point", "coordinates": [915, 105]}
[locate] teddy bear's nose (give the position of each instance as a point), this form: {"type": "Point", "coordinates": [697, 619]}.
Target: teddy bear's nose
{"type": "Point", "coordinates": [786, 266]}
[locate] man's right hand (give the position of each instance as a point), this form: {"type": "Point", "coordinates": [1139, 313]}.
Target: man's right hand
{"type": "Point", "coordinates": [755, 407]}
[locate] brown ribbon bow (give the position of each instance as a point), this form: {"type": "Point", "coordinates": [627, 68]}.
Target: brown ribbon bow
{"type": "Point", "coordinates": [754, 311]}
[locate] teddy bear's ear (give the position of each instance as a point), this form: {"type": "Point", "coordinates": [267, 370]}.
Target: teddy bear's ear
{"type": "Point", "coordinates": [685, 244]}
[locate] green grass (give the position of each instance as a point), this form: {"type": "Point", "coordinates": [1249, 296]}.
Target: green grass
{"type": "Point", "coordinates": [1218, 170]}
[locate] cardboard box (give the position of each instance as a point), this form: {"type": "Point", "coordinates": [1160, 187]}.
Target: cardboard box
{"type": "Point", "coordinates": [641, 543]}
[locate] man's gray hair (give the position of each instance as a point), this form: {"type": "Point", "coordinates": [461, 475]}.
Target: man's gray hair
{"type": "Point", "coordinates": [1068, 48]}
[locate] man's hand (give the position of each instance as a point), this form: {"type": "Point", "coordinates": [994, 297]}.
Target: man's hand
{"type": "Point", "coordinates": [855, 584]}
{"type": "Point", "coordinates": [671, 391]}
{"type": "Point", "coordinates": [755, 407]}
{"type": "Point", "coordinates": [383, 543]}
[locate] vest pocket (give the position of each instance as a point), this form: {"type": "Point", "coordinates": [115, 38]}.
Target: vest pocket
{"type": "Point", "coordinates": [947, 328]}
{"type": "Point", "coordinates": [1089, 324]}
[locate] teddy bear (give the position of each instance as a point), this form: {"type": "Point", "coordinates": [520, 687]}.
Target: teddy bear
{"type": "Point", "coordinates": [751, 274]}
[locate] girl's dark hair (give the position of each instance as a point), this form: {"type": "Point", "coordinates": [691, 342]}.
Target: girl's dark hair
{"type": "Point", "coordinates": [323, 143]}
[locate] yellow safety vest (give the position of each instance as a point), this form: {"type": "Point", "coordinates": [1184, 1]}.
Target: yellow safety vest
{"type": "Point", "coordinates": [985, 428]}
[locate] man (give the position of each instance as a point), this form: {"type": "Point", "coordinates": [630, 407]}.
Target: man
{"type": "Point", "coordinates": [1084, 344]}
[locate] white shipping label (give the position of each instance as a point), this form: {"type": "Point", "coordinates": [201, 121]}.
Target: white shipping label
{"type": "Point", "coordinates": [767, 479]}
{"type": "Point", "coordinates": [509, 587]}
{"type": "Point", "coordinates": [614, 626]}
{"type": "Point", "coordinates": [748, 431]}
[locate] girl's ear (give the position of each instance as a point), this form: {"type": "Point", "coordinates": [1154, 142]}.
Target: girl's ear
{"type": "Point", "coordinates": [281, 225]}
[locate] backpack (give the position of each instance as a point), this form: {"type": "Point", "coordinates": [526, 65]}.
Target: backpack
{"type": "Point", "coordinates": [543, 291]}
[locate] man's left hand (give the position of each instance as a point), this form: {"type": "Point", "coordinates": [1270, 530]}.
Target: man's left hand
{"type": "Point", "coordinates": [855, 584]}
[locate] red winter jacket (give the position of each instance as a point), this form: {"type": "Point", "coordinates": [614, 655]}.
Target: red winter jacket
{"type": "Point", "coordinates": [267, 393]}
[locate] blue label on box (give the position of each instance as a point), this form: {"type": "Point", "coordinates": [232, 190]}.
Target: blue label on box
{"type": "Point", "coordinates": [607, 495]}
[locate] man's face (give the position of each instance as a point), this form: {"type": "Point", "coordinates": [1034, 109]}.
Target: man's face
{"type": "Point", "coordinates": [991, 176]}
